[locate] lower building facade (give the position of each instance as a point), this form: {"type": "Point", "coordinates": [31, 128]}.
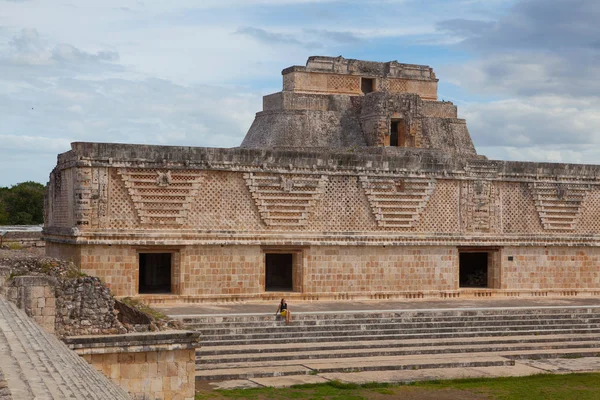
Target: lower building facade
{"type": "Point", "coordinates": [180, 224]}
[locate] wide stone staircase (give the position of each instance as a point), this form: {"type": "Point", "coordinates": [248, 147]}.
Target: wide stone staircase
{"type": "Point", "coordinates": [246, 346]}
{"type": "Point", "coordinates": [36, 365]}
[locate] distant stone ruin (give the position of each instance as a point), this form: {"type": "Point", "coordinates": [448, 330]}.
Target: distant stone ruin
{"type": "Point", "coordinates": [354, 182]}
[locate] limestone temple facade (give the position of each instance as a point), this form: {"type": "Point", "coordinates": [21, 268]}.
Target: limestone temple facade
{"type": "Point", "coordinates": [354, 182]}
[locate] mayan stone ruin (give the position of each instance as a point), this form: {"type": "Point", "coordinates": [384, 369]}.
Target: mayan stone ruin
{"type": "Point", "coordinates": [354, 182]}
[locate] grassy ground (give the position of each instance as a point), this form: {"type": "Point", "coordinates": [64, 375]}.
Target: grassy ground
{"type": "Point", "coordinates": [537, 387]}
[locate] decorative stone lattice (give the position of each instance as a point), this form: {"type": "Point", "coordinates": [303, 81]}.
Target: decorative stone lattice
{"type": "Point", "coordinates": [397, 202]}
{"type": "Point", "coordinates": [343, 83]}
{"type": "Point", "coordinates": [589, 218]}
{"type": "Point", "coordinates": [442, 212]}
{"type": "Point", "coordinates": [482, 168]}
{"type": "Point", "coordinates": [559, 204]}
{"type": "Point", "coordinates": [161, 196]}
{"type": "Point", "coordinates": [480, 203]}
{"type": "Point", "coordinates": [519, 213]}
{"type": "Point", "coordinates": [398, 85]}
{"type": "Point", "coordinates": [122, 213]}
{"type": "Point", "coordinates": [285, 200]}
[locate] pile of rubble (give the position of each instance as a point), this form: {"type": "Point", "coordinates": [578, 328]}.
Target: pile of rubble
{"type": "Point", "coordinates": [84, 304]}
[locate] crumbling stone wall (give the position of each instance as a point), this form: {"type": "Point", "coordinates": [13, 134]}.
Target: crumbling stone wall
{"type": "Point", "coordinates": [85, 306]}
{"type": "Point", "coordinates": [53, 293]}
{"type": "Point", "coordinates": [21, 239]}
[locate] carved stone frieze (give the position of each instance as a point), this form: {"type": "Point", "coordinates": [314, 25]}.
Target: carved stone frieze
{"type": "Point", "coordinates": [480, 206]}
{"type": "Point", "coordinates": [285, 200]}
{"type": "Point", "coordinates": [99, 197]}
{"type": "Point", "coordinates": [161, 197]}
{"type": "Point", "coordinates": [559, 204]}
{"type": "Point", "coordinates": [83, 193]}
{"type": "Point", "coordinates": [397, 202]}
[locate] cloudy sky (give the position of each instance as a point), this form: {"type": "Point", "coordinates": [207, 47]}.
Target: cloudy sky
{"type": "Point", "coordinates": [524, 73]}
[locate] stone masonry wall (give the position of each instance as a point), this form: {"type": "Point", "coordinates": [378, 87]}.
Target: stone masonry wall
{"type": "Point", "coordinates": [36, 296]}
{"type": "Point", "coordinates": [551, 268]}
{"type": "Point", "coordinates": [314, 82]}
{"type": "Point", "coordinates": [438, 109]}
{"type": "Point", "coordinates": [226, 271]}
{"type": "Point", "coordinates": [146, 375]}
{"type": "Point", "coordinates": [147, 365]}
{"type": "Point", "coordinates": [116, 265]}
{"type": "Point", "coordinates": [64, 251]}
{"type": "Point", "coordinates": [229, 271]}
{"type": "Point", "coordinates": [55, 295]}
{"type": "Point", "coordinates": [354, 270]}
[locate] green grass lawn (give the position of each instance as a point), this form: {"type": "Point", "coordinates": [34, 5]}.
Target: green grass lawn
{"type": "Point", "coordinates": [537, 387]}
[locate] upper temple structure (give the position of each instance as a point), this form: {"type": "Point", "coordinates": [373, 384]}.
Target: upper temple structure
{"type": "Point", "coordinates": [335, 102]}
{"type": "Point", "coordinates": [354, 182]}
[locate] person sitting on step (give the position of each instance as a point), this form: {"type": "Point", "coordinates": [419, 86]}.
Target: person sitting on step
{"type": "Point", "coordinates": [283, 311]}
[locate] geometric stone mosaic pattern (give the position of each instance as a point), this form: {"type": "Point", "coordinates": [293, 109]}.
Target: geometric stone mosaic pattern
{"type": "Point", "coordinates": [559, 204]}
{"type": "Point", "coordinates": [285, 200]}
{"type": "Point", "coordinates": [482, 168]}
{"type": "Point", "coordinates": [343, 83]}
{"type": "Point", "coordinates": [480, 206]}
{"type": "Point", "coordinates": [161, 196]}
{"type": "Point", "coordinates": [398, 85]}
{"type": "Point", "coordinates": [397, 202]}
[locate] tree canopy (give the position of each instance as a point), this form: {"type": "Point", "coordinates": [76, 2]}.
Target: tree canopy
{"type": "Point", "coordinates": [22, 204]}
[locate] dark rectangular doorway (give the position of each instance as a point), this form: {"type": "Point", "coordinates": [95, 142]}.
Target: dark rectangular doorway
{"type": "Point", "coordinates": [155, 273]}
{"type": "Point", "coordinates": [278, 272]}
{"type": "Point", "coordinates": [367, 85]}
{"type": "Point", "coordinates": [397, 133]}
{"type": "Point", "coordinates": [473, 270]}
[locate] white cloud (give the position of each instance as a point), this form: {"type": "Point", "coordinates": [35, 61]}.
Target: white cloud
{"type": "Point", "coordinates": [541, 128]}
{"type": "Point", "coordinates": [177, 73]}
{"type": "Point", "coordinates": [32, 144]}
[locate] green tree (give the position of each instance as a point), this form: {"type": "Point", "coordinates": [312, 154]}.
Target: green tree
{"type": "Point", "coordinates": [22, 204]}
{"type": "Point", "coordinates": [3, 213]}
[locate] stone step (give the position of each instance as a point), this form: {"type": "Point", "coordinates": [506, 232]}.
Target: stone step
{"type": "Point", "coordinates": [277, 322]}
{"type": "Point", "coordinates": [216, 361]}
{"type": "Point", "coordinates": [218, 319]}
{"type": "Point", "coordinates": [356, 331]}
{"type": "Point", "coordinates": [381, 344]}
{"type": "Point", "coordinates": [349, 366]}
{"type": "Point", "coordinates": [268, 339]}
{"type": "Point", "coordinates": [258, 345]}
{"type": "Point", "coordinates": [399, 325]}
{"type": "Point", "coordinates": [384, 360]}
{"type": "Point", "coordinates": [65, 374]}
{"type": "Point", "coordinates": [37, 365]}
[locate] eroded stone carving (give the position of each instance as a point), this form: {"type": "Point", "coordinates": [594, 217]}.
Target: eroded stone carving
{"type": "Point", "coordinates": [480, 206]}
{"type": "Point", "coordinates": [164, 179]}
